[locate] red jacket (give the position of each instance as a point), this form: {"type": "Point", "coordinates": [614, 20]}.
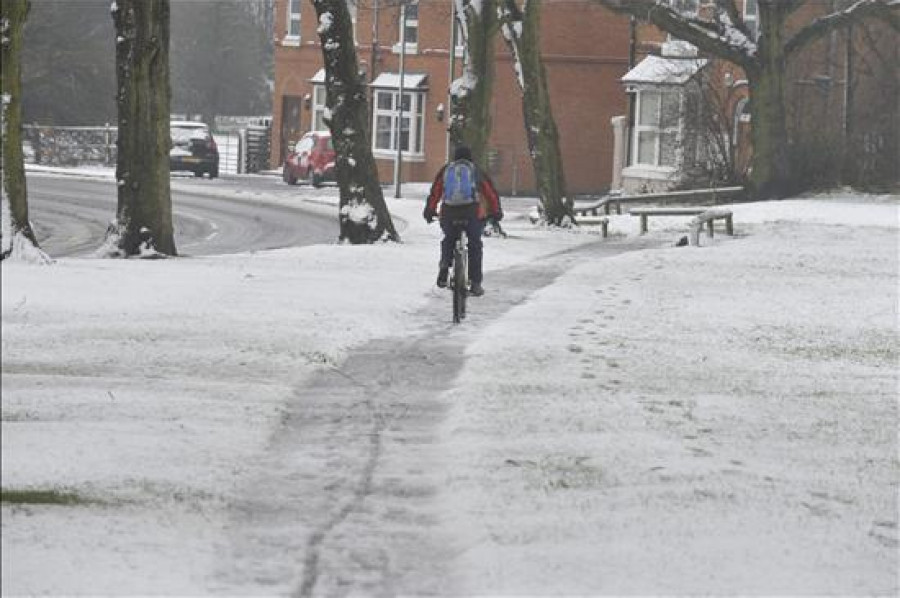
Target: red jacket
{"type": "Point", "coordinates": [488, 199]}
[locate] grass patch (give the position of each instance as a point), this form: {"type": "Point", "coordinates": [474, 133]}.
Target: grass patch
{"type": "Point", "coordinates": [41, 497]}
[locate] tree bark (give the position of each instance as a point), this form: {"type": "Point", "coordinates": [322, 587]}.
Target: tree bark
{"type": "Point", "coordinates": [363, 214]}
{"type": "Point", "coordinates": [144, 216]}
{"type": "Point", "coordinates": [21, 241]}
{"type": "Point", "coordinates": [471, 94]}
{"type": "Point", "coordinates": [521, 29]}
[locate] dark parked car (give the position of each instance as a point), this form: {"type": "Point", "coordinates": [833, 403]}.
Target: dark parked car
{"type": "Point", "coordinates": [312, 159]}
{"type": "Point", "coordinates": [193, 149]}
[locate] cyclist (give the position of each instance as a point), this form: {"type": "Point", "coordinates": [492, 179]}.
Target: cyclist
{"type": "Point", "coordinates": [462, 193]}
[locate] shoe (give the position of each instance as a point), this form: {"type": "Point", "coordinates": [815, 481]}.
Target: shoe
{"type": "Point", "coordinates": [476, 290]}
{"type": "Point", "coordinates": [442, 278]}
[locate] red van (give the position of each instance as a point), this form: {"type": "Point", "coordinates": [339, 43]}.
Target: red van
{"type": "Point", "coordinates": [312, 160]}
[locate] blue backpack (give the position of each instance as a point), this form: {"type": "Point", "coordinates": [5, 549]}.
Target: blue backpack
{"type": "Point", "coordinates": [459, 183]}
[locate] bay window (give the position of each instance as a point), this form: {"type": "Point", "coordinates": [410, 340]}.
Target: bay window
{"type": "Point", "coordinates": [656, 128]}
{"type": "Point", "coordinates": [411, 134]}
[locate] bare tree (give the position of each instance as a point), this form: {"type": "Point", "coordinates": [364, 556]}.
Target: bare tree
{"type": "Point", "coordinates": [18, 239]}
{"type": "Point", "coordinates": [726, 35]}
{"type": "Point", "coordinates": [470, 94]}
{"type": "Point", "coordinates": [144, 216]}
{"type": "Point", "coordinates": [521, 30]}
{"type": "Point", "coordinates": [364, 217]}
{"type": "Point", "coordinates": [711, 139]}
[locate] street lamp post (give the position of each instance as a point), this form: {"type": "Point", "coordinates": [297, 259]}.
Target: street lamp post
{"type": "Point", "coordinates": [399, 136]}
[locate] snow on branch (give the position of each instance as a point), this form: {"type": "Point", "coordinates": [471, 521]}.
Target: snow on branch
{"type": "Point", "coordinates": [510, 17]}
{"type": "Point", "coordinates": [887, 10]}
{"type": "Point", "coordinates": [722, 36]}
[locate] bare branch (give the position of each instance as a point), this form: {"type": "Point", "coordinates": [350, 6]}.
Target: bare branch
{"type": "Point", "coordinates": [729, 8]}
{"type": "Point", "coordinates": [886, 10]}
{"type": "Point", "coordinates": [718, 38]}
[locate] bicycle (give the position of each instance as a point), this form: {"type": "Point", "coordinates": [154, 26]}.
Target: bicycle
{"type": "Point", "coordinates": [460, 282]}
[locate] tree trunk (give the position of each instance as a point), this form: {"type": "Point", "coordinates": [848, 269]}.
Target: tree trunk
{"type": "Point", "coordinates": [19, 240]}
{"type": "Point", "coordinates": [363, 215]}
{"type": "Point", "coordinates": [471, 94]}
{"type": "Point", "coordinates": [144, 216]}
{"type": "Point", "coordinates": [770, 174]}
{"type": "Point", "coordinates": [540, 126]}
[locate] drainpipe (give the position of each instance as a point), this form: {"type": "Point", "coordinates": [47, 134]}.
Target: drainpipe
{"type": "Point", "coordinates": [632, 56]}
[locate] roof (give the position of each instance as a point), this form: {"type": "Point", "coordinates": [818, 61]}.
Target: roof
{"type": "Point", "coordinates": [410, 81]}
{"type": "Point", "coordinates": [385, 80]}
{"type": "Point", "coordinates": [664, 71]}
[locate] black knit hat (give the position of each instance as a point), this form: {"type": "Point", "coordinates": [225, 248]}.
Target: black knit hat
{"type": "Point", "coordinates": [462, 152]}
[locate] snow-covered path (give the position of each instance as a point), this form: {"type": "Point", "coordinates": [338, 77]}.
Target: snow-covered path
{"type": "Point", "coordinates": [716, 420]}
{"type": "Point", "coordinates": [350, 480]}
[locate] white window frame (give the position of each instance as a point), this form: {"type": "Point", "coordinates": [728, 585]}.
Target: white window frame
{"type": "Point", "coordinates": [752, 18]}
{"type": "Point", "coordinates": [655, 129]}
{"type": "Point", "coordinates": [292, 39]}
{"type": "Point", "coordinates": [411, 23]}
{"type": "Point", "coordinates": [416, 116]}
{"type": "Point", "coordinates": [318, 108]}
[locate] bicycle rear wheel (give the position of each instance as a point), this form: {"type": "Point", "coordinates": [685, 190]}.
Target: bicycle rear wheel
{"type": "Point", "coordinates": [459, 283]}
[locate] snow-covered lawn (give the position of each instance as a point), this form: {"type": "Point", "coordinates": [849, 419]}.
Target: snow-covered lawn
{"type": "Point", "coordinates": [646, 419]}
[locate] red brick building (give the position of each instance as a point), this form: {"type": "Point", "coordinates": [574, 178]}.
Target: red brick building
{"type": "Point", "coordinates": [585, 49]}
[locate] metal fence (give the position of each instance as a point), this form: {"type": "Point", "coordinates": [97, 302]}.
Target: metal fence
{"type": "Point", "coordinates": [70, 146]}
{"type": "Point", "coordinates": [241, 150]}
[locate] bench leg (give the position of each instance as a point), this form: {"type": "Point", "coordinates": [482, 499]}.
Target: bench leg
{"type": "Point", "coordinates": [619, 208]}
{"type": "Point", "coordinates": [643, 223]}
{"type": "Point", "coordinates": [709, 228]}
{"type": "Point", "coordinates": [604, 226]}
{"type": "Point", "coordinates": [729, 225]}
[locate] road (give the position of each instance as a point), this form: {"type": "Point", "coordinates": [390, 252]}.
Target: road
{"type": "Point", "coordinates": [211, 217]}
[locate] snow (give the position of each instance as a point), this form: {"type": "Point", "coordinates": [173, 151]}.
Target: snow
{"type": "Point", "coordinates": [659, 70]}
{"type": "Point", "coordinates": [624, 416]}
{"type": "Point", "coordinates": [392, 80]}
{"type": "Point", "coordinates": [325, 23]}
{"type": "Point", "coordinates": [464, 84]}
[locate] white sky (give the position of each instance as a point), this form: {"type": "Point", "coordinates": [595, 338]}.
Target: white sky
{"type": "Point", "coordinates": [625, 418]}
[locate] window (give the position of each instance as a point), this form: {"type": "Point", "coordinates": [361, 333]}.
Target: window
{"type": "Point", "coordinates": [656, 129]}
{"type": "Point", "coordinates": [410, 34]}
{"type": "Point", "coordinates": [751, 18]}
{"type": "Point", "coordinates": [386, 115]}
{"type": "Point", "coordinates": [741, 115]}
{"type": "Point", "coordinates": [292, 35]}
{"type": "Point", "coordinates": [318, 109]}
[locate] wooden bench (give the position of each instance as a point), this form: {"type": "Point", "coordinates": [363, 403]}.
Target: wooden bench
{"type": "Point", "coordinates": [645, 213]}
{"type": "Point", "coordinates": [711, 196]}
{"type": "Point", "coordinates": [708, 217]}
{"type": "Point", "coordinates": [603, 221]}
{"type": "Point", "coordinates": [704, 215]}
